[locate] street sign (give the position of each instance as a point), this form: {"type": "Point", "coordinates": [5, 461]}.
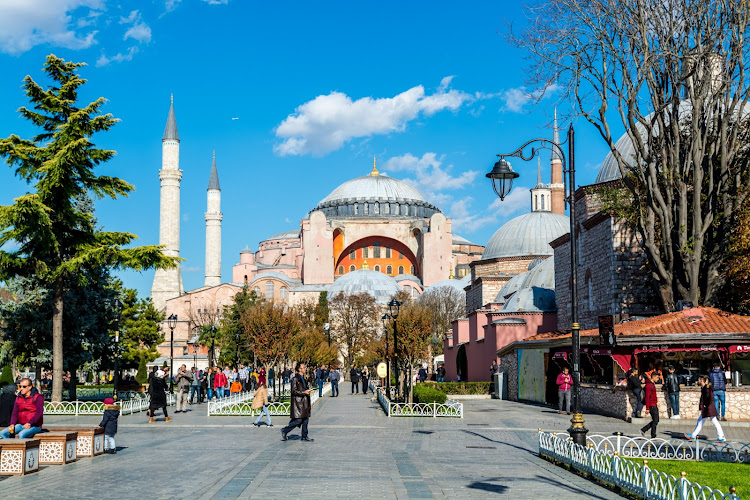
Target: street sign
{"type": "Point", "coordinates": [607, 330]}
{"type": "Point", "coordinates": [382, 370]}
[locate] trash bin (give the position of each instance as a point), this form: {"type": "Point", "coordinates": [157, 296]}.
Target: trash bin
{"type": "Point", "coordinates": [501, 385]}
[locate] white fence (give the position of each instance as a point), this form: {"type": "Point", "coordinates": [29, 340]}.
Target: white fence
{"type": "Point", "coordinates": [668, 449]}
{"type": "Point", "coordinates": [636, 479]}
{"type": "Point", "coordinates": [240, 404]}
{"type": "Point", "coordinates": [448, 409]}
{"type": "Point", "coordinates": [96, 408]}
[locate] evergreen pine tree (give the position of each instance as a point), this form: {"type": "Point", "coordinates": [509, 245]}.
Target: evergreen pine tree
{"type": "Point", "coordinates": [7, 376]}
{"type": "Point", "coordinates": [142, 375]}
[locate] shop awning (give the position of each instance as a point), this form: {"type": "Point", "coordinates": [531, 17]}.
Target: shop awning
{"type": "Point", "coordinates": [623, 360]}
{"type": "Point", "coordinates": [663, 348]}
{"type": "Point", "coordinates": [739, 348]}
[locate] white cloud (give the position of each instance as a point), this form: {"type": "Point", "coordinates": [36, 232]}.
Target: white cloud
{"type": "Point", "coordinates": [27, 23]}
{"type": "Point", "coordinates": [171, 5]}
{"type": "Point", "coordinates": [117, 58]}
{"type": "Point", "coordinates": [327, 122]}
{"type": "Point", "coordinates": [139, 31]}
{"type": "Point", "coordinates": [216, 2]}
{"type": "Point", "coordinates": [467, 220]}
{"type": "Point", "coordinates": [516, 99]}
{"type": "Point", "coordinates": [191, 269]}
{"type": "Point", "coordinates": [429, 172]}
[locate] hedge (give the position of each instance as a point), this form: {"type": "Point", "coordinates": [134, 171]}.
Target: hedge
{"type": "Point", "coordinates": [425, 394]}
{"type": "Point", "coordinates": [461, 388]}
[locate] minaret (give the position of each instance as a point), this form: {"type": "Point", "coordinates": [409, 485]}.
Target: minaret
{"type": "Point", "coordinates": [540, 194]}
{"type": "Point", "coordinates": [168, 282]}
{"type": "Point", "coordinates": [213, 228]}
{"type": "Point", "coordinates": [557, 188]}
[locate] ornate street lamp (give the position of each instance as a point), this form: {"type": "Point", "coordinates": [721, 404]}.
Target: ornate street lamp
{"type": "Point", "coordinates": [172, 322]}
{"type": "Point", "coordinates": [394, 306]}
{"type": "Point", "coordinates": [212, 328]}
{"type": "Point", "coordinates": [115, 382]}
{"type": "Point", "coordinates": [195, 358]}
{"type": "Point", "coordinates": [502, 176]}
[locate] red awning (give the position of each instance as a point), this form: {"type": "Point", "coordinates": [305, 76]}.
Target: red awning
{"type": "Point", "coordinates": [739, 348]}
{"type": "Point", "coordinates": [662, 348]}
{"type": "Point", "coordinates": [623, 360]}
{"type": "Point", "coordinates": [560, 354]}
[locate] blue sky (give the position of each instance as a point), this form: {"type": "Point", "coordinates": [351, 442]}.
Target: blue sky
{"type": "Point", "coordinates": [295, 98]}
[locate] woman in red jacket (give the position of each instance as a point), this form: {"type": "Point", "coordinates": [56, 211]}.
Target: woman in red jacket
{"type": "Point", "coordinates": [651, 404]}
{"type": "Point", "coordinates": [708, 410]}
{"type": "Point", "coordinates": [564, 381]}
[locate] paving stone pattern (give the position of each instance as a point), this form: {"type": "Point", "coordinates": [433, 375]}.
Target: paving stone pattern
{"type": "Point", "coordinates": [358, 453]}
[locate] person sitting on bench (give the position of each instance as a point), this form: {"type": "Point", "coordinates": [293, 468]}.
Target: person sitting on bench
{"type": "Point", "coordinates": [28, 410]}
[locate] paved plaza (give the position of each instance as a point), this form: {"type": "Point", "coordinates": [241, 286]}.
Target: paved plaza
{"type": "Point", "coordinates": [358, 453]}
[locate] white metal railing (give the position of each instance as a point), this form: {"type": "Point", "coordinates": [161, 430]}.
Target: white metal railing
{"type": "Point", "coordinates": [638, 480]}
{"type": "Point", "coordinates": [97, 408]}
{"type": "Point", "coordinates": [241, 406]}
{"type": "Point", "coordinates": [668, 449]}
{"type": "Point", "coordinates": [448, 409]}
{"type": "Point", "coordinates": [85, 394]}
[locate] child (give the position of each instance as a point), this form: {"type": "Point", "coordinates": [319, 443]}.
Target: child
{"type": "Point", "coordinates": [236, 387]}
{"type": "Point", "coordinates": [109, 422]}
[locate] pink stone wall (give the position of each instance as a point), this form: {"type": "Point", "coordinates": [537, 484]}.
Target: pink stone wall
{"type": "Point", "coordinates": [437, 250]}
{"type": "Point", "coordinates": [317, 244]}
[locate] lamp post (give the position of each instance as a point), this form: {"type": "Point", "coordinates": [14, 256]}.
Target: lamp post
{"type": "Point", "coordinates": [172, 322]}
{"type": "Point", "coordinates": [116, 380]}
{"type": "Point", "coordinates": [213, 340]}
{"type": "Point", "coordinates": [195, 357]}
{"type": "Point", "coordinates": [385, 318]}
{"type": "Point", "coordinates": [237, 356]}
{"type": "Point", "coordinates": [502, 176]}
{"type": "Point", "coordinates": [394, 306]}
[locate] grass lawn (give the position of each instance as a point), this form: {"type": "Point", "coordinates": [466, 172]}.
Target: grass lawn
{"type": "Point", "coordinates": [717, 475]}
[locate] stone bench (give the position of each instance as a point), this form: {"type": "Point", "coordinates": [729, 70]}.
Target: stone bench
{"type": "Point", "coordinates": [57, 447]}
{"type": "Point", "coordinates": [19, 456]}
{"type": "Point", "coordinates": [90, 440]}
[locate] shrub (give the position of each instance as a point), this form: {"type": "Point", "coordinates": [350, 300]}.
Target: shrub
{"type": "Point", "coordinates": [7, 376]}
{"type": "Point", "coordinates": [462, 388]}
{"type": "Point", "coordinates": [425, 394]}
{"type": "Point", "coordinates": [142, 375]}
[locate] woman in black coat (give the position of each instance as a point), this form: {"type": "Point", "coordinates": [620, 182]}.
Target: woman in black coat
{"type": "Point", "coordinates": [299, 407]}
{"type": "Point", "coordinates": [157, 389]}
{"type": "Point", "coordinates": [7, 400]}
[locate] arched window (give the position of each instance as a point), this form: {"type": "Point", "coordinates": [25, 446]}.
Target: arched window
{"type": "Point", "coordinates": [284, 292]}
{"type": "Point", "coordinates": [536, 202]}
{"type": "Point", "coordinates": [542, 202]}
{"type": "Point", "coordinates": [377, 268]}
{"type": "Point", "coordinates": [400, 269]}
{"type": "Point", "coordinates": [246, 279]}
{"type": "Point", "coordinates": [256, 290]}
{"type": "Point", "coordinates": [367, 209]}
{"type": "Point", "coordinates": [413, 292]}
{"type": "Point", "coordinates": [376, 250]}
{"type": "Point", "coordinates": [411, 271]}
{"type": "Point", "coordinates": [377, 208]}
{"type": "Point", "coordinates": [352, 269]}
{"type": "Point", "coordinates": [341, 269]}
{"type": "Point", "coordinates": [356, 209]}
{"type": "Point", "coordinates": [365, 253]}
{"type": "Point", "coordinates": [353, 254]}
{"type": "Point", "coordinates": [389, 270]}
{"type": "Point", "coordinates": [269, 289]}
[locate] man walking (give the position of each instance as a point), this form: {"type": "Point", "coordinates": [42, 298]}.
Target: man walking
{"type": "Point", "coordinates": [334, 377]}
{"type": "Point", "coordinates": [195, 386]}
{"type": "Point", "coordinates": [719, 384]}
{"type": "Point", "coordinates": [672, 383]}
{"type": "Point", "coordinates": [651, 404]}
{"type": "Point", "coordinates": [354, 377]}
{"type": "Point", "coordinates": [634, 384]}
{"type": "Point", "coordinates": [184, 380]}
{"type": "Point", "coordinates": [321, 374]}
{"type": "Point", "coordinates": [243, 374]}
{"type": "Point", "coordinates": [299, 408]}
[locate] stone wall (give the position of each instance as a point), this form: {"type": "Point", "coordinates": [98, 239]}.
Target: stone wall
{"type": "Point", "coordinates": [509, 364]}
{"type": "Point", "coordinates": [617, 402]}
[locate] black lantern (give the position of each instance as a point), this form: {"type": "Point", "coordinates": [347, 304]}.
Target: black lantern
{"type": "Point", "coordinates": [394, 306]}
{"type": "Point", "coordinates": [502, 176]}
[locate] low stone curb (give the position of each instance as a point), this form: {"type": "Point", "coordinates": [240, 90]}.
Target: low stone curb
{"type": "Point", "coordinates": [469, 396]}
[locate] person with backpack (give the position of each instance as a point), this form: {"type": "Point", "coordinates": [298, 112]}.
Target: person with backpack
{"type": "Point", "coordinates": [719, 385]}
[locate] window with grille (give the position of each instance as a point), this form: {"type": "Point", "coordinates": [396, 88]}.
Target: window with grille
{"type": "Point", "coordinates": [353, 254]}
{"type": "Point", "coordinates": [400, 269]}
{"type": "Point", "coordinates": [269, 289]}
{"type": "Point", "coordinates": [376, 250]}
{"type": "Point", "coordinates": [341, 269]}
{"type": "Point", "coordinates": [387, 252]}
{"type": "Point", "coordinates": [284, 292]}
{"type": "Point", "coordinates": [365, 253]}
{"type": "Point", "coordinates": [411, 270]}
{"type": "Point", "coordinates": [352, 269]}
{"type": "Point", "coordinates": [377, 268]}
{"type": "Point", "coordinates": [389, 270]}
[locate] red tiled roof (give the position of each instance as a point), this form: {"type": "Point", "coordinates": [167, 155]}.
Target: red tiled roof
{"type": "Point", "coordinates": [696, 320]}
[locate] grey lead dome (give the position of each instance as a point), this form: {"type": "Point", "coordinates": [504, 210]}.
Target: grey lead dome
{"type": "Point", "coordinates": [526, 235]}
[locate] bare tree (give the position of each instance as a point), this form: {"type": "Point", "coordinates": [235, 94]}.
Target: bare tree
{"type": "Point", "coordinates": [355, 322]}
{"type": "Point", "coordinates": [445, 304]}
{"type": "Point", "coordinates": [674, 74]}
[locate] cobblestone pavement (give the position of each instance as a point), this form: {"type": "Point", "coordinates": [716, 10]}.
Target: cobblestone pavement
{"type": "Point", "coordinates": [358, 453]}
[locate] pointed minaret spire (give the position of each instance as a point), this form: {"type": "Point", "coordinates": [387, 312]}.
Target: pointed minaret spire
{"type": "Point", "coordinates": [170, 130]}
{"type": "Point", "coordinates": [555, 138]}
{"type": "Point", "coordinates": [213, 218]}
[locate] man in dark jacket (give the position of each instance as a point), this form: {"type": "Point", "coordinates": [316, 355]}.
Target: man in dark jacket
{"type": "Point", "coordinates": [634, 384]}
{"type": "Point", "coordinates": [7, 399]}
{"type": "Point", "coordinates": [719, 384]}
{"type": "Point", "coordinates": [672, 386]}
{"type": "Point", "coordinates": [299, 406]}
{"type": "Point", "coordinates": [354, 377]}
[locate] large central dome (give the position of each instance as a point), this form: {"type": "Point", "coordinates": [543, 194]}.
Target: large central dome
{"type": "Point", "coordinates": [375, 195]}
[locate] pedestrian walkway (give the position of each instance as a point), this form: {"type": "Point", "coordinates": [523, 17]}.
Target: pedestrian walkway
{"type": "Point", "coordinates": [358, 453]}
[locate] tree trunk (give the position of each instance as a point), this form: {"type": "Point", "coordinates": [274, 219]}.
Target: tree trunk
{"type": "Point", "coordinates": [38, 377]}
{"type": "Point", "coordinates": [57, 341]}
{"type": "Point", "coordinates": [73, 384]}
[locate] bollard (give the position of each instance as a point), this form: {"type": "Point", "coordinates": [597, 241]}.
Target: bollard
{"type": "Point", "coordinates": [619, 435]}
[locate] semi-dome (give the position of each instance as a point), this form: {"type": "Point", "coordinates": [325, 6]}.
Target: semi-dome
{"type": "Point", "coordinates": [379, 285]}
{"type": "Point", "coordinates": [286, 235]}
{"type": "Point", "coordinates": [376, 196]}
{"type": "Point", "coordinates": [526, 235]}
{"type": "Point", "coordinates": [532, 299]}
{"type": "Point", "coordinates": [542, 276]}
{"type": "Point", "coordinates": [450, 283]}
